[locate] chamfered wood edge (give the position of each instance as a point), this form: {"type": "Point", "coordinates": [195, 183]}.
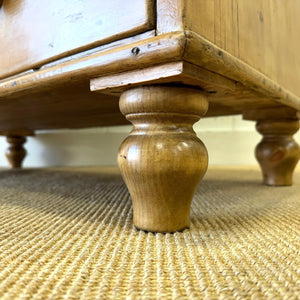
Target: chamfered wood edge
{"type": "Point", "coordinates": [171, 47]}
{"type": "Point", "coordinates": [179, 71]}
{"type": "Point", "coordinates": [203, 53]}
{"type": "Point", "coordinates": [170, 15]}
{"type": "Point", "coordinates": [158, 157]}
{"type": "Point", "coordinates": [164, 48]}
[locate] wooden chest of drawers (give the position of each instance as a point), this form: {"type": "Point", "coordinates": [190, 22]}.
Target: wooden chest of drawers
{"type": "Point", "coordinates": [65, 64]}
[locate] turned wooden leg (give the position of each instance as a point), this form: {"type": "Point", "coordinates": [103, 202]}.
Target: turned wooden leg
{"type": "Point", "coordinates": [162, 160]}
{"type": "Point", "coordinates": [15, 153]}
{"type": "Point", "coordinates": [277, 153]}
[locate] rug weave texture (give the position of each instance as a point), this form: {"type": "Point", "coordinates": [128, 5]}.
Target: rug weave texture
{"type": "Point", "coordinates": [68, 234]}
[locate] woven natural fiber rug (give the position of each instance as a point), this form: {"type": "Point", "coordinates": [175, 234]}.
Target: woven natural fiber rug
{"type": "Point", "coordinates": [68, 234]}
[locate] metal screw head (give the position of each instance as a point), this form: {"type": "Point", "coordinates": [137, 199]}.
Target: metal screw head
{"type": "Point", "coordinates": [135, 51]}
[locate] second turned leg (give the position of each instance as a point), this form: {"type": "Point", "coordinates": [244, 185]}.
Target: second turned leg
{"type": "Point", "coordinates": [162, 160]}
{"type": "Point", "coordinates": [277, 153]}
{"type": "Point", "coordinates": [15, 153]}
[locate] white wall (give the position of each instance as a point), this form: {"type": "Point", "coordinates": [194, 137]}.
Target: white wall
{"type": "Point", "coordinates": [229, 140]}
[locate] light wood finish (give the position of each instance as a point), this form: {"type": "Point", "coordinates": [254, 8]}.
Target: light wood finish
{"type": "Point", "coordinates": [252, 89]}
{"type": "Point", "coordinates": [277, 153]}
{"type": "Point", "coordinates": [179, 72]}
{"type": "Point", "coordinates": [262, 33]}
{"type": "Point", "coordinates": [68, 62]}
{"type": "Point", "coordinates": [15, 153]}
{"type": "Point", "coordinates": [203, 53]}
{"type": "Point", "coordinates": [226, 96]}
{"type": "Point", "coordinates": [171, 45]}
{"type": "Point", "coordinates": [64, 106]}
{"type": "Point", "coordinates": [118, 58]}
{"type": "Point", "coordinates": [36, 33]}
{"type": "Point", "coordinates": [162, 160]}
{"type": "Point", "coordinates": [170, 16]}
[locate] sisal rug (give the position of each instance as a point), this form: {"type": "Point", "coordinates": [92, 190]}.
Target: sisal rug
{"type": "Point", "coordinates": [68, 234]}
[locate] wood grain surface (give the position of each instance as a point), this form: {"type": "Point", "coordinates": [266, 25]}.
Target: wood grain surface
{"type": "Point", "coordinates": [262, 33]}
{"type": "Point", "coordinates": [162, 160]}
{"type": "Point", "coordinates": [57, 94]}
{"type": "Point", "coordinates": [277, 153]}
{"type": "Point", "coordinates": [33, 33]}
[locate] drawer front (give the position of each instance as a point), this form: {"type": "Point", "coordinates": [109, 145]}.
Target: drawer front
{"type": "Point", "coordinates": [34, 32]}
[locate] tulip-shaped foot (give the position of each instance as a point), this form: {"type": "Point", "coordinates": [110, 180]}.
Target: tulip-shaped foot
{"type": "Point", "coordinates": [277, 153]}
{"type": "Point", "coordinates": [15, 153]}
{"type": "Point", "coordinates": [162, 160]}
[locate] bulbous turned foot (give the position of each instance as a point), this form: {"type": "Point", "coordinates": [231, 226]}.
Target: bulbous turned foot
{"type": "Point", "coordinates": [162, 160]}
{"type": "Point", "coordinates": [15, 153]}
{"type": "Point", "coordinates": [277, 153]}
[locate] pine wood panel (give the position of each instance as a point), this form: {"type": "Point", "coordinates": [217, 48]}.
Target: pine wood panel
{"type": "Point", "coordinates": [262, 33]}
{"type": "Point", "coordinates": [33, 33]}
{"type": "Point", "coordinates": [58, 94]}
